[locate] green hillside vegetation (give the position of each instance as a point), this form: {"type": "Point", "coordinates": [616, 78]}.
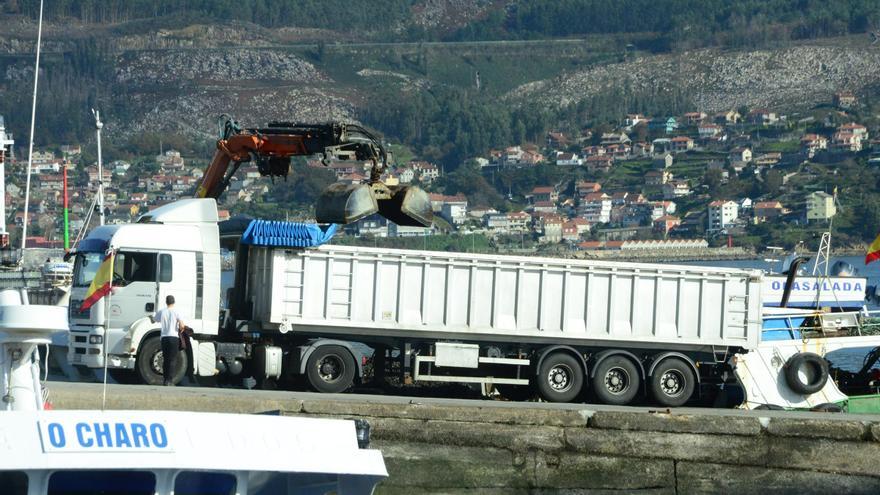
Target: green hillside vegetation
{"type": "Point", "coordinates": [674, 22]}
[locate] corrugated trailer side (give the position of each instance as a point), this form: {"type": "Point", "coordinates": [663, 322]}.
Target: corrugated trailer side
{"type": "Point", "coordinates": [438, 295]}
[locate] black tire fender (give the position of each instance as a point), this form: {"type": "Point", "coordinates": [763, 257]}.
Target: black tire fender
{"type": "Point", "coordinates": [811, 362]}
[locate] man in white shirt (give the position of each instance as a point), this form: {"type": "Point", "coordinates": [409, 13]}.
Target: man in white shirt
{"type": "Point", "coordinates": [172, 325]}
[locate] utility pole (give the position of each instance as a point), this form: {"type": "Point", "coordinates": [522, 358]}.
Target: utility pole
{"type": "Point", "coordinates": [98, 126]}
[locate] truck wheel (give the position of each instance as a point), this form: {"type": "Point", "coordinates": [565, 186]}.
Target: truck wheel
{"type": "Point", "coordinates": [149, 363]}
{"type": "Point", "coordinates": [560, 378]}
{"type": "Point", "coordinates": [330, 369]}
{"type": "Point", "coordinates": [616, 381]}
{"type": "Point", "coordinates": [672, 383]}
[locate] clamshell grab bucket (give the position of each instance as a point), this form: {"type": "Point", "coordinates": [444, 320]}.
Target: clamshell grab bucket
{"type": "Point", "coordinates": [348, 203]}
{"type": "Point", "coordinates": [345, 203]}
{"type": "Point", "coordinates": [408, 206]}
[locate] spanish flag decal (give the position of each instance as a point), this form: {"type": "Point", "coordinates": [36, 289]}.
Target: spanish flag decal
{"type": "Point", "coordinates": [100, 286]}
{"type": "Point", "coordinates": [873, 251]}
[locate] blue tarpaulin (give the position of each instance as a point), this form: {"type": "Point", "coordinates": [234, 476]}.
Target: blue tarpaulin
{"type": "Point", "coordinates": [286, 234]}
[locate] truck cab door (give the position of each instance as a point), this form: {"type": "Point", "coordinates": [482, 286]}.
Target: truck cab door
{"type": "Point", "coordinates": [177, 277]}
{"type": "Point", "coordinates": [133, 295]}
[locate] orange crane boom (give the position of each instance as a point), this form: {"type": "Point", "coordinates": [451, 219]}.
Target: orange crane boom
{"type": "Point", "coordinates": [272, 148]}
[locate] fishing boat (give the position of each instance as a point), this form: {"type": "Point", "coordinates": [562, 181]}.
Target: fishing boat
{"type": "Point", "coordinates": [46, 451]}
{"type": "Point", "coordinates": [836, 286]}
{"type": "Point", "coordinates": [814, 359]}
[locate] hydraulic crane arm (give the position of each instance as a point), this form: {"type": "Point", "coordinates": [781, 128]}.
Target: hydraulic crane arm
{"type": "Point", "coordinates": [272, 147]}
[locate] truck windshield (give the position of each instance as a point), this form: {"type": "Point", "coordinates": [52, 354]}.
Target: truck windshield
{"type": "Point", "coordinates": [84, 268]}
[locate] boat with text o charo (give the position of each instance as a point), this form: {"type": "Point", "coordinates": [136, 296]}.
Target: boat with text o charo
{"type": "Point", "coordinates": [44, 451]}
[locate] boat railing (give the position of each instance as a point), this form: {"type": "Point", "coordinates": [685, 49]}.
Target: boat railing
{"type": "Point", "coordinates": [826, 324]}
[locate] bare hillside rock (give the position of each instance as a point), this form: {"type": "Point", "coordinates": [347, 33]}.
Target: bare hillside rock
{"type": "Point", "coordinates": [214, 65]}
{"type": "Point", "coordinates": [196, 113]}
{"type": "Point", "coordinates": [447, 15]}
{"type": "Point", "coordinates": [718, 79]}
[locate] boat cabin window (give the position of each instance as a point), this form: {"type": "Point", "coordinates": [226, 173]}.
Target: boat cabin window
{"type": "Point", "coordinates": [204, 483]}
{"type": "Point", "coordinates": [14, 482]}
{"type": "Point", "coordinates": [119, 482]}
{"type": "Point", "coordinates": [134, 267]}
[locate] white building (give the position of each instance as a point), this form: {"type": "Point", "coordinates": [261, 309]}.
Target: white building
{"type": "Point", "coordinates": [568, 159]}
{"type": "Point", "coordinates": [497, 221]}
{"type": "Point", "coordinates": [454, 211]}
{"type": "Point", "coordinates": [722, 214]}
{"type": "Point", "coordinates": [596, 208]}
{"type": "Point", "coordinates": [406, 175]}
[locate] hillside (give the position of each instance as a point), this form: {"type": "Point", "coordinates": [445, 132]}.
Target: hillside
{"type": "Point", "coordinates": [448, 78]}
{"type": "Point", "coordinates": [794, 76]}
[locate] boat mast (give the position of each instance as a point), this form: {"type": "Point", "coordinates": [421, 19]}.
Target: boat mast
{"type": "Point", "coordinates": [27, 187]}
{"type": "Point", "coordinates": [98, 126]}
{"type": "Point", "coordinates": [6, 142]}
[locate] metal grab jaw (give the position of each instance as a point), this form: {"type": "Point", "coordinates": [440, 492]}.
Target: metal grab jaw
{"type": "Point", "coordinates": [348, 203]}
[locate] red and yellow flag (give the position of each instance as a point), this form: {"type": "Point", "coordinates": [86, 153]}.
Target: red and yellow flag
{"type": "Point", "coordinates": [100, 286]}
{"type": "Point", "coordinates": [873, 251]}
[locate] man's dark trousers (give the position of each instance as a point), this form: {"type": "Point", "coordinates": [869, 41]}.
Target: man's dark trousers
{"type": "Point", "coordinates": [170, 348]}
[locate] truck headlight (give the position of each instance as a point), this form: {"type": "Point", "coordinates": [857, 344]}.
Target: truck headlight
{"type": "Point", "coordinates": [96, 339]}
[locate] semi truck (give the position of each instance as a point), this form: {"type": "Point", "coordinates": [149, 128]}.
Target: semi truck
{"type": "Point", "coordinates": [558, 328]}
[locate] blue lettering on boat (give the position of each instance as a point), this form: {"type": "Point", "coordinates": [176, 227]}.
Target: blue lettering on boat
{"type": "Point", "coordinates": [112, 435]}
{"type": "Point", "coordinates": [56, 435]}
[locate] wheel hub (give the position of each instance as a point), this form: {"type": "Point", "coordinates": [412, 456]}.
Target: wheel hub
{"type": "Point", "coordinates": [156, 363]}
{"type": "Point", "coordinates": [616, 380]}
{"type": "Point", "coordinates": [559, 378]}
{"type": "Point", "coordinates": [672, 383]}
{"type": "Point", "coordinates": [330, 368]}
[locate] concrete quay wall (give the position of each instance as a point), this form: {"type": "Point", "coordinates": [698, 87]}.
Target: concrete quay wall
{"type": "Point", "coordinates": [487, 447]}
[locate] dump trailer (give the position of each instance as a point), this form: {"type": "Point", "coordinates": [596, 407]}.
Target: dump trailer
{"type": "Point", "coordinates": [555, 327]}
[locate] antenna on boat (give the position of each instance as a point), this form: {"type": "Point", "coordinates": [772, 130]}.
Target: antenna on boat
{"type": "Point", "coordinates": [98, 126]}
{"type": "Point", "coordinates": [27, 187]}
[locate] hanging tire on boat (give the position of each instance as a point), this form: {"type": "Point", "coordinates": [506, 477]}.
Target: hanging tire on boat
{"type": "Point", "coordinates": [672, 382]}
{"type": "Point", "coordinates": [806, 373]}
{"type": "Point", "coordinates": [560, 378]}
{"type": "Point", "coordinates": [616, 381]}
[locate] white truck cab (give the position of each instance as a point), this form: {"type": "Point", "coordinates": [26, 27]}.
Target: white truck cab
{"type": "Point", "coordinates": [173, 250]}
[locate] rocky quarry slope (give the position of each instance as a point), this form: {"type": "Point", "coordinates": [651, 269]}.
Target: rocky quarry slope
{"type": "Point", "coordinates": [717, 79]}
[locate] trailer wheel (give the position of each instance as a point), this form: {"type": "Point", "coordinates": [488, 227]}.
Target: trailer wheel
{"type": "Point", "coordinates": [330, 369]}
{"type": "Point", "coordinates": [149, 363]}
{"type": "Point", "coordinates": [806, 373]}
{"type": "Point", "coordinates": [560, 378]}
{"type": "Point", "coordinates": [672, 382]}
{"type": "Point", "coordinates": [616, 381]}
